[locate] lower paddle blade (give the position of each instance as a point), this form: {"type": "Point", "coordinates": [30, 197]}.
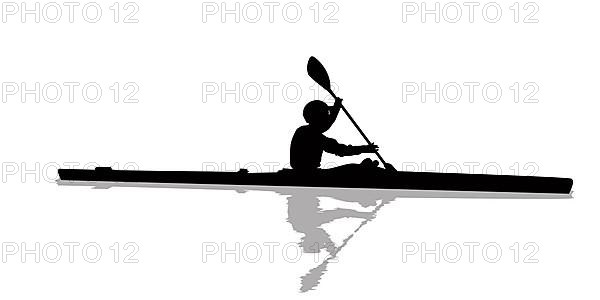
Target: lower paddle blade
{"type": "Point", "coordinates": [317, 72]}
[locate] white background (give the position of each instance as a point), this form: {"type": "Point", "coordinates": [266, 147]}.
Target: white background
{"type": "Point", "coordinates": [369, 53]}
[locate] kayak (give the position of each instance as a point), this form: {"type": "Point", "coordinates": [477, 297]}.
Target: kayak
{"type": "Point", "coordinates": [370, 179]}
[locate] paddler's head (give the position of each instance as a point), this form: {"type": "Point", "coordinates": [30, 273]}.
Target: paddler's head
{"type": "Point", "coordinates": [316, 114]}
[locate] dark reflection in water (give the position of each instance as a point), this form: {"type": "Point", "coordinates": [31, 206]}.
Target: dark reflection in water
{"type": "Point", "coordinates": [307, 218]}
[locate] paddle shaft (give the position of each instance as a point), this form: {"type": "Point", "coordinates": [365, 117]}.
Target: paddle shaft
{"type": "Point", "coordinates": [358, 128]}
{"type": "Point", "coordinates": [362, 133]}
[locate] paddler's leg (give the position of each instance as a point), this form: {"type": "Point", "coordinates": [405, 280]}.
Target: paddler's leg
{"type": "Point", "coordinates": [366, 165]}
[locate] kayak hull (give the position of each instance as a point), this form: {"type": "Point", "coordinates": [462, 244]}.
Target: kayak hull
{"type": "Point", "coordinates": [379, 179]}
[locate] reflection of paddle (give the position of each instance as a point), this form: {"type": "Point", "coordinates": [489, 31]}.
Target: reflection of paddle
{"type": "Point", "coordinates": [312, 278]}
{"type": "Point", "coordinates": [317, 72]}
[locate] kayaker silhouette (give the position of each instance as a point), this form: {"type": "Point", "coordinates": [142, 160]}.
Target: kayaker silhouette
{"type": "Point", "coordinates": [309, 142]}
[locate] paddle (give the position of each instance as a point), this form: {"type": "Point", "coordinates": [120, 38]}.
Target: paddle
{"type": "Point", "coordinates": [317, 72]}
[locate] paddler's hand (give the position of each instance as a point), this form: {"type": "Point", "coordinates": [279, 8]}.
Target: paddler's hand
{"type": "Point", "coordinates": [372, 148]}
{"type": "Point", "coordinates": [338, 101]}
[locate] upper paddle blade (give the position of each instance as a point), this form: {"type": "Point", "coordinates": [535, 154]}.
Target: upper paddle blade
{"type": "Point", "coordinates": [317, 72]}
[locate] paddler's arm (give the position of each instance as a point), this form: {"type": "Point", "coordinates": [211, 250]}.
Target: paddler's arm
{"type": "Point", "coordinates": [333, 147]}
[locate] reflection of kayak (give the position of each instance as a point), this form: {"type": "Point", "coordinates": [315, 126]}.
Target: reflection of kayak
{"type": "Point", "coordinates": [370, 179]}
